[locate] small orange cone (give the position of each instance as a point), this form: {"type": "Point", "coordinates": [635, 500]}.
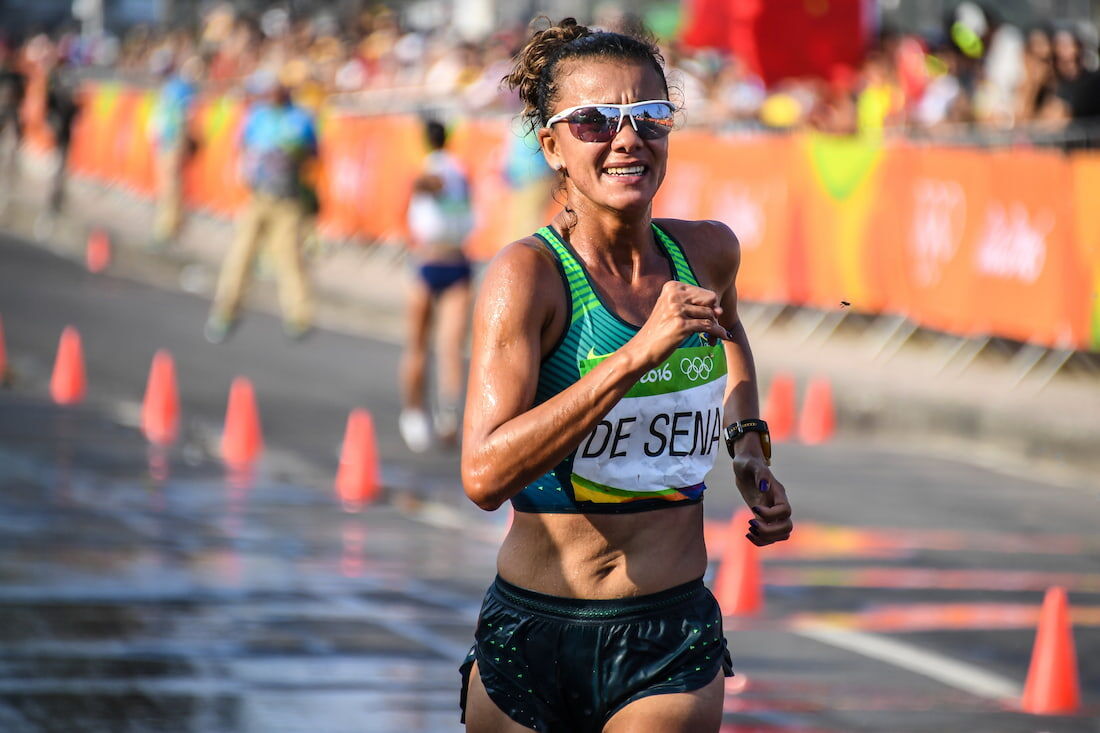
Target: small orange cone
{"type": "Point", "coordinates": [97, 255]}
{"type": "Point", "coordinates": [358, 478]}
{"type": "Point", "coordinates": [160, 411]}
{"type": "Point", "coordinates": [1052, 687]}
{"type": "Point", "coordinates": [779, 409]}
{"type": "Point", "coordinates": [242, 441]}
{"type": "Point", "coordinates": [67, 385]}
{"type": "Point", "coordinates": [818, 421]}
{"type": "Point", "coordinates": [737, 583]}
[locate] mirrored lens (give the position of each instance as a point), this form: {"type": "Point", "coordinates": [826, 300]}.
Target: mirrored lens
{"type": "Point", "coordinates": [594, 124]}
{"type": "Point", "coordinates": [654, 121]}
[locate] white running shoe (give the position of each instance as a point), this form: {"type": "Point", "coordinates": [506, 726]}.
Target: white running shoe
{"type": "Point", "coordinates": [416, 430]}
{"type": "Point", "coordinates": [446, 425]}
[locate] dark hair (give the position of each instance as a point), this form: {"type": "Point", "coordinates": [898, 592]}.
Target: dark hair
{"type": "Point", "coordinates": [435, 133]}
{"type": "Point", "coordinates": [534, 70]}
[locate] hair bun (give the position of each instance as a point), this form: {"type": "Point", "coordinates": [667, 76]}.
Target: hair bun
{"type": "Point", "coordinates": [534, 73]}
{"type": "Point", "coordinates": [540, 52]}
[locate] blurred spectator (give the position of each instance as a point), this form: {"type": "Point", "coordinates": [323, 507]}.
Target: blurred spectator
{"type": "Point", "coordinates": [531, 181]}
{"type": "Point", "coordinates": [835, 111]}
{"type": "Point", "coordinates": [62, 106]}
{"type": "Point", "coordinates": [879, 104]}
{"type": "Point", "coordinates": [174, 142]}
{"type": "Point", "coordinates": [1002, 74]}
{"type": "Point", "coordinates": [278, 141]}
{"type": "Point", "coordinates": [687, 77]}
{"type": "Point", "coordinates": [974, 76]}
{"type": "Point", "coordinates": [1077, 87]}
{"type": "Point", "coordinates": [1035, 96]}
{"type": "Point", "coordinates": [13, 86]}
{"type": "Point", "coordinates": [737, 93]}
{"type": "Point", "coordinates": [943, 102]}
{"type": "Point", "coordinates": [440, 218]}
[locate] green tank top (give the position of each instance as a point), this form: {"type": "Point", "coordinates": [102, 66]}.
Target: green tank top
{"type": "Point", "coordinates": [653, 449]}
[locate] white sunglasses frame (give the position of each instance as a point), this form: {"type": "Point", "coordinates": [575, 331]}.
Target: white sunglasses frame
{"type": "Point", "coordinates": [625, 110]}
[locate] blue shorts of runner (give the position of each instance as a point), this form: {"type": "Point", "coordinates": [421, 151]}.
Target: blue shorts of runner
{"type": "Point", "coordinates": [566, 664]}
{"type": "Point", "coordinates": [440, 277]}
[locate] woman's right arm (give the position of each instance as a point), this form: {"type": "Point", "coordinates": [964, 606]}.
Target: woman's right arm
{"type": "Point", "coordinates": [506, 442]}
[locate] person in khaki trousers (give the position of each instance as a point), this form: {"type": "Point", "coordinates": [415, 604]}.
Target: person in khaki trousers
{"type": "Point", "coordinates": [278, 140]}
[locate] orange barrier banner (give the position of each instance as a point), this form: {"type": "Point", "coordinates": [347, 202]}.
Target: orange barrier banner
{"type": "Point", "coordinates": [937, 206]}
{"type": "Point", "coordinates": [973, 242]}
{"type": "Point", "coordinates": [482, 145]}
{"type": "Point", "coordinates": [838, 188]}
{"type": "Point", "coordinates": [744, 184]}
{"type": "Point", "coordinates": [90, 153]}
{"type": "Point", "coordinates": [212, 176]}
{"type": "Point", "coordinates": [132, 147]}
{"type": "Point", "coordinates": [343, 189]}
{"type": "Point", "coordinates": [1024, 271]}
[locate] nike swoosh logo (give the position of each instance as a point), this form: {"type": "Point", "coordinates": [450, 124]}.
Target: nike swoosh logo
{"type": "Point", "coordinates": [593, 355]}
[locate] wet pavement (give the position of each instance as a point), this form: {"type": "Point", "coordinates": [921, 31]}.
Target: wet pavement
{"type": "Point", "coordinates": [145, 592]}
{"type": "Point", "coordinates": [203, 602]}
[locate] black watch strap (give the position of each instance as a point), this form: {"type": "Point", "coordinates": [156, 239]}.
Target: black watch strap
{"type": "Point", "coordinates": [737, 430]}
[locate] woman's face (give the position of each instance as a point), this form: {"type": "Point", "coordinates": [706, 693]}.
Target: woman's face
{"type": "Point", "coordinates": [1038, 43]}
{"type": "Point", "coordinates": [1066, 52]}
{"type": "Point", "coordinates": [596, 170]}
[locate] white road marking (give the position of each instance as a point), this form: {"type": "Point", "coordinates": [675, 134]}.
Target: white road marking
{"type": "Point", "coordinates": [951, 672]}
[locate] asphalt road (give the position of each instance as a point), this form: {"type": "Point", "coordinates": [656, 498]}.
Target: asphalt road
{"type": "Point", "coordinates": [905, 602]}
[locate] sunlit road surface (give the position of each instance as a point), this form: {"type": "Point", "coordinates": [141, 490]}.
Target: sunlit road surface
{"type": "Point", "coordinates": [174, 597]}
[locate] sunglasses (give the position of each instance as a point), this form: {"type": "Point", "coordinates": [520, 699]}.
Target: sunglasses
{"type": "Point", "coordinates": [599, 123]}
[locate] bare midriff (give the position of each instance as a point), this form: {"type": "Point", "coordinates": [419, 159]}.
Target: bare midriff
{"type": "Point", "coordinates": [604, 556]}
{"type": "Point", "coordinates": [439, 253]}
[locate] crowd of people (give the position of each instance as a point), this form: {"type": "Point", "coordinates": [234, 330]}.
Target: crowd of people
{"type": "Point", "coordinates": [974, 74]}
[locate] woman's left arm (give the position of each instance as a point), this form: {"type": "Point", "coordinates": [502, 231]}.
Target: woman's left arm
{"type": "Point", "coordinates": [762, 492]}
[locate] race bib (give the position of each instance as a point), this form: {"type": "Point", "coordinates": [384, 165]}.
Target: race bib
{"type": "Point", "coordinates": [662, 437]}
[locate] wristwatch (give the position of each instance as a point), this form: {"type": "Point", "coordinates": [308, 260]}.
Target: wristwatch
{"type": "Point", "coordinates": [737, 430]}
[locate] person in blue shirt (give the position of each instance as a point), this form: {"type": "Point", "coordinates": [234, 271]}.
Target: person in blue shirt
{"type": "Point", "coordinates": [278, 140]}
{"type": "Point", "coordinates": [169, 129]}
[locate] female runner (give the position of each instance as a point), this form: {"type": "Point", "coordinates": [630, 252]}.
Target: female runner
{"type": "Point", "coordinates": [598, 401]}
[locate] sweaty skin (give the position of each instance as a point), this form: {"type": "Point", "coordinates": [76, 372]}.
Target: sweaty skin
{"type": "Point", "coordinates": [522, 311]}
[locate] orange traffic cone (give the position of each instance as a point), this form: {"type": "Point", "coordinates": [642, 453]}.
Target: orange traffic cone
{"type": "Point", "coordinates": [779, 408]}
{"type": "Point", "coordinates": [242, 441]}
{"type": "Point", "coordinates": [67, 385]}
{"type": "Point", "coordinates": [160, 411]}
{"type": "Point", "coordinates": [737, 583]}
{"type": "Point", "coordinates": [358, 479]}
{"type": "Point", "coordinates": [1052, 687]}
{"type": "Point", "coordinates": [97, 254]}
{"type": "Point", "coordinates": [818, 421]}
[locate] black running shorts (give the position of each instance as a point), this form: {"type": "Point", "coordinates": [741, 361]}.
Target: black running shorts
{"type": "Point", "coordinates": [566, 664]}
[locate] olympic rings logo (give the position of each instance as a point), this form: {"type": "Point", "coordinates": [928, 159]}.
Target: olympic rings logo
{"type": "Point", "coordinates": [697, 367]}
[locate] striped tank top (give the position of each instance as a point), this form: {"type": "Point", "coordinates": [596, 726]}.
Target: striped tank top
{"type": "Point", "coordinates": [653, 449]}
